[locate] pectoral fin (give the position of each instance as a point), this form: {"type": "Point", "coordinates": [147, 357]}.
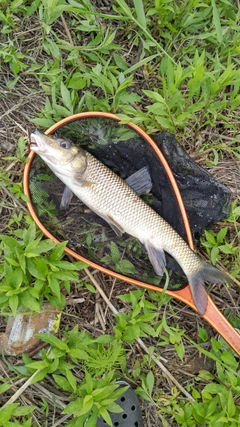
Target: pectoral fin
{"type": "Point", "coordinates": [157, 258]}
{"type": "Point", "coordinates": [140, 181]}
{"type": "Point", "coordinates": [66, 198]}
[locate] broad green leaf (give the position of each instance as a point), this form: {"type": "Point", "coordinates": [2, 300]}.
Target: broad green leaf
{"type": "Point", "coordinates": [40, 375]}
{"type": "Point", "coordinates": [87, 405]}
{"type": "Point", "coordinates": [104, 413]}
{"type": "Point", "coordinates": [214, 254]}
{"type": "Point", "coordinates": [210, 238]}
{"type": "Point", "coordinates": [155, 96]}
{"type": "Point", "coordinates": [6, 413]}
{"type": "Point", "coordinates": [231, 408]}
{"type": "Point", "coordinates": [4, 387]}
{"type": "Point", "coordinates": [114, 252]}
{"type": "Point", "coordinates": [12, 261]}
{"type": "Point", "coordinates": [57, 252]}
{"type": "Point", "coordinates": [73, 407]}
{"type": "Point", "coordinates": [54, 285]}
{"type": "Point", "coordinates": [89, 383]}
{"type": "Point", "coordinates": [221, 234]}
{"type": "Point", "coordinates": [150, 382]}
{"type": "Point", "coordinates": [125, 267]}
{"type": "Point", "coordinates": [24, 410]}
{"type": "Point", "coordinates": [76, 353]}
{"type": "Point", "coordinates": [44, 246]}
{"type": "Point", "coordinates": [13, 302]}
{"type": "Point", "coordinates": [63, 383]}
{"type": "Point", "coordinates": [32, 266]}
{"type": "Point", "coordinates": [29, 301]}
{"type": "Point", "coordinates": [53, 340]}
{"type": "Point", "coordinates": [71, 379]}
{"type": "Point", "coordinates": [77, 81]}
{"type": "Point", "coordinates": [39, 364]}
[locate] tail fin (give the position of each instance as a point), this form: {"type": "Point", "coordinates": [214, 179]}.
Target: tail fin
{"type": "Point", "coordinates": [207, 273]}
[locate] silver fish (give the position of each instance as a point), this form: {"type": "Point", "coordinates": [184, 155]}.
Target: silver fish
{"type": "Point", "coordinates": [116, 202]}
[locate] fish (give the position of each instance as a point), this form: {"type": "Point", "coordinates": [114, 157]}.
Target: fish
{"type": "Point", "coordinates": [113, 199]}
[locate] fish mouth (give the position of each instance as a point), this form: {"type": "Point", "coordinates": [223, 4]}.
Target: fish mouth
{"type": "Point", "coordinates": [36, 142]}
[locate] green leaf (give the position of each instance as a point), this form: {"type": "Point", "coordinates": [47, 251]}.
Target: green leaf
{"type": "Point", "coordinates": [11, 243]}
{"type": "Point", "coordinates": [155, 96]}
{"type": "Point", "coordinates": [89, 383]}
{"type": "Point", "coordinates": [150, 382]}
{"type": "Point", "coordinates": [53, 340]}
{"type": "Point", "coordinates": [141, 18]}
{"type": "Point", "coordinates": [6, 413]}
{"type": "Point", "coordinates": [30, 234]}
{"type": "Point", "coordinates": [32, 266]}
{"type": "Point", "coordinates": [40, 375]}
{"type": "Point", "coordinates": [66, 97]}
{"type": "Point", "coordinates": [92, 420]}
{"type": "Point", "coordinates": [114, 252]}
{"type": "Point", "coordinates": [203, 335]}
{"type": "Point", "coordinates": [213, 388]}
{"type": "Point", "coordinates": [77, 81]}
{"type": "Point", "coordinates": [4, 387]}
{"type": "Point", "coordinates": [104, 413]}
{"type": "Point", "coordinates": [13, 302]}
{"type": "Point", "coordinates": [231, 408]}
{"type": "Point", "coordinates": [125, 267]}
{"type": "Point", "coordinates": [74, 407]}
{"type": "Point", "coordinates": [24, 410]}
{"type": "Point", "coordinates": [57, 252]}
{"type": "Point", "coordinates": [221, 234]}
{"type": "Point", "coordinates": [66, 265]}
{"type": "Point", "coordinates": [43, 123]}
{"type": "Point", "coordinates": [44, 246]}
{"type": "Point", "coordinates": [214, 254]}
{"type": "Point", "coordinates": [216, 22]}
{"type": "Point", "coordinates": [229, 359]}
{"type": "Point", "coordinates": [210, 238]}
{"type": "Point", "coordinates": [87, 405]}
{"type": "Point", "coordinates": [71, 379]}
{"type": "Point", "coordinates": [76, 353]}
{"type": "Point", "coordinates": [39, 364]}
{"type": "Point", "coordinates": [63, 383]}
{"type": "Point", "coordinates": [12, 261]}
{"type": "Point", "coordinates": [54, 285]}
{"type": "Point", "coordinates": [29, 301]}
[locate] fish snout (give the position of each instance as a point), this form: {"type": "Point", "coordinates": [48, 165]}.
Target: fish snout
{"type": "Point", "coordinates": [36, 142]}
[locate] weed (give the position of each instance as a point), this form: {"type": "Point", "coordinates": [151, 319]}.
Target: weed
{"type": "Point", "coordinates": [28, 276]}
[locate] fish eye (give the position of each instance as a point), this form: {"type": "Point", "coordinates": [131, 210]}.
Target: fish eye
{"type": "Point", "coordinates": [65, 144]}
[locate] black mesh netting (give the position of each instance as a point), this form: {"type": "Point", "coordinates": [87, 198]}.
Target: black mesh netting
{"type": "Point", "coordinates": [123, 150]}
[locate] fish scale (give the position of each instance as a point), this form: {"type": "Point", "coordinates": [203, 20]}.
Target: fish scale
{"type": "Point", "coordinates": [114, 200]}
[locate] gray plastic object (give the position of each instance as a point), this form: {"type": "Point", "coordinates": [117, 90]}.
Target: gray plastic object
{"type": "Point", "coordinates": [131, 415]}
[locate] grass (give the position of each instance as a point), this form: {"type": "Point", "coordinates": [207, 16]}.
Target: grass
{"type": "Point", "coordinates": [166, 66]}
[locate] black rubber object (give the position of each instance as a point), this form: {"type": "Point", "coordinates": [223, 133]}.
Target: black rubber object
{"type": "Point", "coordinates": [131, 415]}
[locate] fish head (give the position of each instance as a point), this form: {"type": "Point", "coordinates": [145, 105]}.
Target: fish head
{"type": "Point", "coordinates": [60, 154]}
